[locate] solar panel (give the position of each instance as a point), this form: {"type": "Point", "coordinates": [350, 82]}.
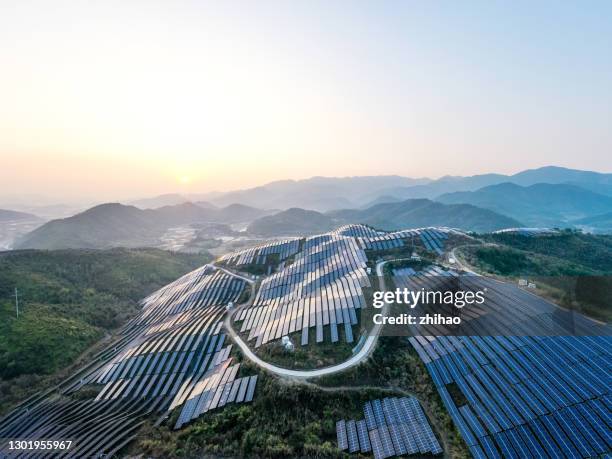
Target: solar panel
{"type": "Point", "coordinates": [351, 432]}
{"type": "Point", "coordinates": [364, 438]}
{"type": "Point", "coordinates": [341, 434]}
{"type": "Point", "coordinates": [251, 388]}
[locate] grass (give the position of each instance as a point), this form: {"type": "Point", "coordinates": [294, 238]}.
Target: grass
{"type": "Point", "coordinates": [313, 355]}
{"type": "Point", "coordinates": [586, 288]}
{"type": "Point", "coordinates": [69, 300]}
{"type": "Point", "coordinates": [395, 364]}
{"type": "Point", "coordinates": [284, 420]}
{"type": "Point", "coordinates": [297, 420]}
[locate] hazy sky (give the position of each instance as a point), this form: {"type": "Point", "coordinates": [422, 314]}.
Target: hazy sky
{"type": "Point", "coordinates": [111, 99]}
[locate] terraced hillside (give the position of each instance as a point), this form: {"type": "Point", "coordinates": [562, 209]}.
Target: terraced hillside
{"type": "Point", "coordinates": [174, 365]}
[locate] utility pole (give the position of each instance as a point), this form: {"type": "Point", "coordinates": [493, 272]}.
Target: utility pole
{"type": "Point", "coordinates": [17, 302]}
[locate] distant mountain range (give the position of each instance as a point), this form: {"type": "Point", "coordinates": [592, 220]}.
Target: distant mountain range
{"type": "Point", "coordinates": [597, 224]}
{"type": "Point", "coordinates": [292, 222]}
{"type": "Point", "coordinates": [114, 225]}
{"type": "Point", "coordinates": [316, 193]}
{"type": "Point", "coordinates": [412, 213]}
{"type": "Point", "coordinates": [333, 193]}
{"type": "Point", "coordinates": [544, 197]}
{"type": "Point", "coordinates": [542, 204]}
{"type": "Point", "coordinates": [14, 216]}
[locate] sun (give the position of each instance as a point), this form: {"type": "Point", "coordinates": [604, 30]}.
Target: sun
{"type": "Point", "coordinates": [184, 179]}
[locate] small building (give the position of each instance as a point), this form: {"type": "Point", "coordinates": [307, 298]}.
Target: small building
{"type": "Point", "coordinates": [451, 260]}
{"type": "Point", "coordinates": [369, 270]}
{"type": "Point", "coordinates": [531, 285]}
{"type": "Point", "coordinates": [286, 342]}
{"type": "Point", "coordinates": [229, 306]}
{"type": "Point", "coordinates": [522, 282]}
{"type": "Point", "coordinates": [415, 257]}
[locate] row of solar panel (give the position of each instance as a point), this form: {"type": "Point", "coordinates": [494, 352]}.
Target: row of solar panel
{"type": "Point", "coordinates": [532, 232]}
{"type": "Point", "coordinates": [148, 370]}
{"type": "Point", "coordinates": [215, 287]}
{"type": "Point", "coordinates": [356, 230]}
{"type": "Point", "coordinates": [93, 427]}
{"type": "Point", "coordinates": [506, 310]}
{"type": "Point", "coordinates": [540, 397]}
{"type": "Point", "coordinates": [322, 287]}
{"type": "Point", "coordinates": [392, 427]}
{"type": "Point", "coordinates": [433, 239]}
{"type": "Point", "coordinates": [215, 389]}
{"type": "Point", "coordinates": [258, 254]}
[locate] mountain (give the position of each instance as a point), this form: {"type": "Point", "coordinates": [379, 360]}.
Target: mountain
{"type": "Point", "coordinates": [14, 224]}
{"type": "Point", "coordinates": [596, 224]}
{"type": "Point", "coordinates": [103, 226]}
{"type": "Point", "coordinates": [14, 216]}
{"type": "Point", "coordinates": [595, 187]}
{"type": "Point", "coordinates": [239, 213]}
{"type": "Point", "coordinates": [170, 199]}
{"type": "Point", "coordinates": [541, 204]}
{"type": "Point", "coordinates": [594, 181]}
{"type": "Point", "coordinates": [292, 222]}
{"type": "Point", "coordinates": [317, 193]}
{"type": "Point", "coordinates": [205, 204]}
{"type": "Point", "coordinates": [118, 225]}
{"type": "Point", "coordinates": [332, 193]}
{"type": "Point", "coordinates": [554, 174]}
{"type": "Point", "coordinates": [381, 200]}
{"type": "Point", "coordinates": [413, 213]}
{"type": "Point", "coordinates": [416, 213]}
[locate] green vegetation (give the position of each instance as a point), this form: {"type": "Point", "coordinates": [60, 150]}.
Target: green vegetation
{"type": "Point", "coordinates": [417, 213]}
{"type": "Point", "coordinates": [395, 364]}
{"type": "Point", "coordinates": [314, 355]}
{"type": "Point", "coordinates": [591, 251]}
{"type": "Point", "coordinates": [284, 420]}
{"type": "Point", "coordinates": [507, 261]}
{"type": "Point", "coordinates": [541, 204]}
{"type": "Point", "coordinates": [571, 269]}
{"type": "Point", "coordinates": [69, 299]}
{"type": "Point", "coordinates": [292, 222]}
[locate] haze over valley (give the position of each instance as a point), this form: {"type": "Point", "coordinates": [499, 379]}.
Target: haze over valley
{"type": "Point", "coordinates": [549, 197]}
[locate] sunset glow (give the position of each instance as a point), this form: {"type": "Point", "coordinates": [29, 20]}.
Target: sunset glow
{"type": "Point", "coordinates": [239, 96]}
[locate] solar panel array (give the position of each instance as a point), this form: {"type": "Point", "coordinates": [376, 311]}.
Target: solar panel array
{"type": "Point", "coordinates": [321, 288]}
{"type": "Point", "coordinates": [432, 238]}
{"type": "Point", "coordinates": [525, 396]}
{"type": "Point", "coordinates": [527, 231]}
{"type": "Point", "coordinates": [392, 427]}
{"type": "Point", "coordinates": [93, 427]}
{"type": "Point", "coordinates": [258, 254]}
{"type": "Point", "coordinates": [172, 353]}
{"type": "Point", "coordinates": [506, 310]}
{"type": "Point", "coordinates": [356, 230]}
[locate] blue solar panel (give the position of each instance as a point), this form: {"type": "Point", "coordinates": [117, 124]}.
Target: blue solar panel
{"type": "Point", "coordinates": [341, 435]}
{"type": "Point", "coordinates": [511, 384]}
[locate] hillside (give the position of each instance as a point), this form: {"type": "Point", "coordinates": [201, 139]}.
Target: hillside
{"type": "Point", "coordinates": [117, 225]}
{"type": "Point", "coordinates": [596, 224]}
{"type": "Point", "coordinates": [102, 226]}
{"type": "Point", "coordinates": [292, 222]}
{"type": "Point", "coordinates": [68, 300]}
{"type": "Point", "coordinates": [14, 216]}
{"type": "Point", "coordinates": [416, 213]}
{"type": "Point", "coordinates": [570, 268]}
{"type": "Point", "coordinates": [317, 193]}
{"type": "Point", "coordinates": [594, 252]}
{"type": "Point", "coordinates": [535, 205]}
{"type": "Point", "coordinates": [162, 200]}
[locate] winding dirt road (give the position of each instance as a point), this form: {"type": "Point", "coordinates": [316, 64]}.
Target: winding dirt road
{"type": "Point", "coordinates": [363, 353]}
